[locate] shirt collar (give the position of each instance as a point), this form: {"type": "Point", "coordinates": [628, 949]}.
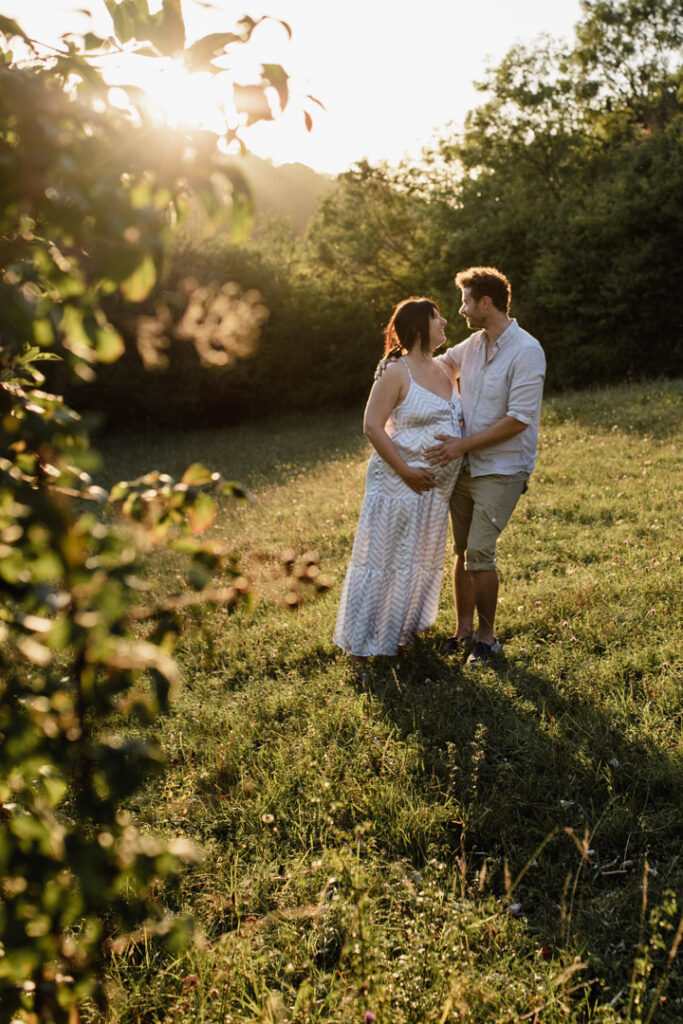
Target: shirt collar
{"type": "Point", "coordinates": [505, 336]}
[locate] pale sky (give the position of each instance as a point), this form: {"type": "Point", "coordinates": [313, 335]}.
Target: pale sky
{"type": "Point", "coordinates": [389, 73]}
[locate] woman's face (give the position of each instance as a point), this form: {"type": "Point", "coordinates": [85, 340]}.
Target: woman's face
{"type": "Point", "coordinates": [437, 333]}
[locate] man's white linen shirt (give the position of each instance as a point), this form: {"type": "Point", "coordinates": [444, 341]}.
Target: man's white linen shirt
{"type": "Point", "coordinates": [510, 383]}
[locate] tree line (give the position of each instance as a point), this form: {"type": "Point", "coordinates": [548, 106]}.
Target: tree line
{"type": "Point", "coordinates": [568, 177]}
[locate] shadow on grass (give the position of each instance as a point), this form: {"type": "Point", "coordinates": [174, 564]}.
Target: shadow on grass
{"type": "Point", "coordinates": [523, 759]}
{"type": "Point", "coordinates": [255, 454]}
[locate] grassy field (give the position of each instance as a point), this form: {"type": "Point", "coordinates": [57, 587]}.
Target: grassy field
{"type": "Point", "coordinates": [428, 844]}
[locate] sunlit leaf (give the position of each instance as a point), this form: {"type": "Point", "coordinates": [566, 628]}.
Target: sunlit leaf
{"type": "Point", "coordinates": [196, 475]}
{"type": "Point", "coordinates": [202, 513]}
{"type": "Point", "coordinates": [278, 78]}
{"type": "Point", "coordinates": [34, 652]}
{"type": "Point", "coordinates": [141, 195]}
{"type": "Point", "coordinates": [77, 65]}
{"type": "Point", "coordinates": [234, 490]}
{"type": "Point", "coordinates": [93, 42]}
{"type": "Point", "coordinates": [137, 287]}
{"type": "Point", "coordinates": [188, 545]}
{"type": "Point", "coordinates": [316, 100]}
{"type": "Point", "coordinates": [10, 28]}
{"type": "Point", "coordinates": [124, 15]}
{"type": "Point", "coordinates": [44, 335]}
{"type": "Point", "coordinates": [54, 789]}
{"type": "Point", "coordinates": [76, 338]}
{"type": "Point", "coordinates": [110, 345]}
{"type": "Point", "coordinates": [172, 28]}
{"type": "Point", "coordinates": [249, 25]}
{"type": "Point", "coordinates": [198, 57]}
{"type": "Point", "coordinates": [119, 491]}
{"type": "Point", "coordinates": [252, 101]}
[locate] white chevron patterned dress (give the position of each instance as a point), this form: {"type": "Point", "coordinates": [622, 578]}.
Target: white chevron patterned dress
{"type": "Point", "coordinates": [393, 582]}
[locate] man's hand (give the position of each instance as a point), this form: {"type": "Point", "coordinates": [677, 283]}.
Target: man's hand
{"type": "Point", "coordinates": [382, 365]}
{"type": "Point", "coordinates": [450, 448]}
{"type": "Point", "coordinates": [418, 480]}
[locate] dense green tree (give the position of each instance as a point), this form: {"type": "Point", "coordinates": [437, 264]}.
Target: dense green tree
{"type": "Point", "coordinates": [373, 231]}
{"type": "Point", "coordinates": [629, 56]}
{"type": "Point", "coordinates": [569, 178]}
{"type": "Point", "coordinates": [87, 197]}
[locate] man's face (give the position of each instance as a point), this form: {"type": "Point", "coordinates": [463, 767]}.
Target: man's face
{"type": "Point", "coordinates": [472, 310]}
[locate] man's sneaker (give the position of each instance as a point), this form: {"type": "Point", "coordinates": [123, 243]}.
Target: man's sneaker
{"type": "Point", "coordinates": [459, 644]}
{"type": "Point", "coordinates": [483, 653]}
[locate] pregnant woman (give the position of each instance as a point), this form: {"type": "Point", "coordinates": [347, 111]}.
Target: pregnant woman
{"type": "Point", "coordinates": [393, 582]}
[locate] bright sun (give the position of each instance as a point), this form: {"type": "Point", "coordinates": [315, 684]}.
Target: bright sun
{"type": "Point", "coordinates": [178, 97]}
{"type": "Point", "coordinates": [182, 99]}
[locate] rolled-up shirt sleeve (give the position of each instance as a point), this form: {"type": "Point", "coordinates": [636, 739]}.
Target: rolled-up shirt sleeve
{"type": "Point", "coordinates": [526, 386]}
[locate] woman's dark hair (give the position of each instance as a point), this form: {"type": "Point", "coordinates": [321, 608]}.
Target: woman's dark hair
{"type": "Point", "coordinates": [409, 321]}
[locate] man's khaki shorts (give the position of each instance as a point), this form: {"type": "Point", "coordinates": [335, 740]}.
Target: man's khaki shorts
{"type": "Point", "coordinates": [480, 508]}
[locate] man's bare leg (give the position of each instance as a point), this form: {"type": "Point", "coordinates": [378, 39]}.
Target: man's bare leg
{"type": "Point", "coordinates": [464, 597]}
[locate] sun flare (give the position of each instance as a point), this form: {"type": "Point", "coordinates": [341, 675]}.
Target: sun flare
{"type": "Point", "coordinates": [179, 98]}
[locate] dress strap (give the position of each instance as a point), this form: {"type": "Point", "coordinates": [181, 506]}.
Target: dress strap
{"type": "Point", "coordinates": [445, 371]}
{"type": "Point", "coordinates": [407, 367]}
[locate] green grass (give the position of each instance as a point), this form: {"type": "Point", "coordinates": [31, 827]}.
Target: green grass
{"type": "Point", "coordinates": [426, 844]}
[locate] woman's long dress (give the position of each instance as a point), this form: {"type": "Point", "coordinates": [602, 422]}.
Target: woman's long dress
{"type": "Point", "coordinates": [393, 582]}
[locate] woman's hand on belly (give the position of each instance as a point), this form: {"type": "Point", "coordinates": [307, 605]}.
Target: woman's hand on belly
{"type": "Point", "coordinates": [419, 480]}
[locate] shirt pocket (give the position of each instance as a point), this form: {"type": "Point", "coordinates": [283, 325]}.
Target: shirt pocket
{"type": "Point", "coordinates": [496, 392]}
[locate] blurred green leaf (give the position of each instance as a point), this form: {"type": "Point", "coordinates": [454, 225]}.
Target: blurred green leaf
{"type": "Point", "coordinates": [92, 42]}
{"type": "Point", "coordinates": [202, 513]}
{"type": "Point", "coordinates": [110, 345]}
{"type": "Point", "coordinates": [196, 475]}
{"type": "Point", "coordinates": [76, 337]}
{"type": "Point", "coordinates": [199, 576]}
{"type": "Point", "coordinates": [234, 490]}
{"type": "Point", "coordinates": [137, 287]}
{"type": "Point", "coordinates": [54, 789]}
{"type": "Point", "coordinates": [129, 17]}
{"type": "Point", "coordinates": [171, 36]}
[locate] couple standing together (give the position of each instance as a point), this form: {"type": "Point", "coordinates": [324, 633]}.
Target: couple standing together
{"type": "Point", "coordinates": [426, 462]}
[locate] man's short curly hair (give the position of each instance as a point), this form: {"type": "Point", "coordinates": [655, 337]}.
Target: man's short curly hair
{"type": "Point", "coordinates": [483, 281]}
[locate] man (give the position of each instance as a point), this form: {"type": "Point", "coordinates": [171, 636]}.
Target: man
{"type": "Point", "coordinates": [502, 369]}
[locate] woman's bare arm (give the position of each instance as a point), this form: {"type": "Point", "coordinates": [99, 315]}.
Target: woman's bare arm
{"type": "Point", "coordinates": [388, 392]}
